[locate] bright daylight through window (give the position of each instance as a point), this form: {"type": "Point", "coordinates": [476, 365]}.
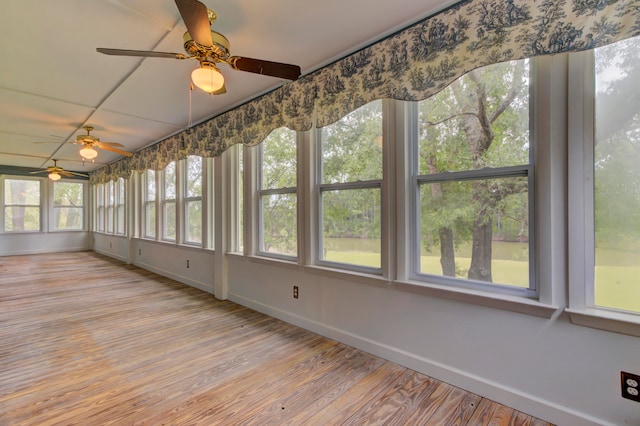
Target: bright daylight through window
{"type": "Point", "coordinates": [68, 207]}
{"type": "Point", "coordinates": [278, 199]}
{"type": "Point", "coordinates": [473, 173]}
{"type": "Point", "coordinates": [617, 176]}
{"type": "Point", "coordinates": [21, 205]}
{"type": "Point", "coordinates": [350, 188]}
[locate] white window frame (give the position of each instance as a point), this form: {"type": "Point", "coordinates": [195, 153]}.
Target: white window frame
{"type": "Point", "coordinates": [187, 200]}
{"type": "Point", "coordinates": [166, 202]}
{"type": "Point", "coordinates": [110, 207]}
{"type": "Point", "coordinates": [582, 309]}
{"type": "Point", "coordinates": [53, 225]}
{"type": "Point", "coordinates": [378, 184]}
{"type": "Point", "coordinates": [148, 204]}
{"type": "Point", "coordinates": [100, 207]}
{"type": "Point", "coordinates": [262, 193]}
{"type": "Point", "coordinates": [120, 208]}
{"type": "Point", "coordinates": [41, 210]}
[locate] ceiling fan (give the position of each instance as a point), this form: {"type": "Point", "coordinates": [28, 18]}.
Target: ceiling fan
{"type": "Point", "coordinates": [89, 142]}
{"type": "Point", "coordinates": [209, 48]}
{"type": "Point", "coordinates": [56, 173]}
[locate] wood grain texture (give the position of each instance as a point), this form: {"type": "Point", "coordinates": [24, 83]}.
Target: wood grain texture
{"type": "Point", "coordinates": [88, 340]}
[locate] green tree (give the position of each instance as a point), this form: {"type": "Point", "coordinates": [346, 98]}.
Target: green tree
{"type": "Point", "coordinates": [479, 121]}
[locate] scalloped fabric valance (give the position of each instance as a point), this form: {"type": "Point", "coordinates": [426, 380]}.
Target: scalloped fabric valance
{"type": "Point", "coordinates": [412, 65]}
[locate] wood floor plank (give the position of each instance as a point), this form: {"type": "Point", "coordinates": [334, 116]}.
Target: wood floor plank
{"type": "Point", "coordinates": [87, 340]}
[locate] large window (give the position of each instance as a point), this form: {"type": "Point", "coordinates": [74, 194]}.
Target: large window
{"type": "Point", "coordinates": [68, 206]}
{"type": "Point", "coordinates": [278, 230]}
{"type": "Point", "coordinates": [617, 176]}
{"type": "Point", "coordinates": [193, 201]}
{"type": "Point", "coordinates": [472, 179]}
{"type": "Point", "coordinates": [149, 210]}
{"type": "Point", "coordinates": [350, 175]}
{"type": "Point", "coordinates": [99, 203]}
{"type": "Point", "coordinates": [111, 200]}
{"type": "Point", "coordinates": [120, 206]}
{"type": "Point", "coordinates": [21, 200]}
{"type": "Point", "coordinates": [169, 202]}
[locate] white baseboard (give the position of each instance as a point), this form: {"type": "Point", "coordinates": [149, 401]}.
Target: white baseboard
{"type": "Point", "coordinates": [43, 251]}
{"type": "Point", "coordinates": [513, 398]}
{"type": "Point", "coordinates": [112, 255]}
{"type": "Point", "coordinates": [177, 277]}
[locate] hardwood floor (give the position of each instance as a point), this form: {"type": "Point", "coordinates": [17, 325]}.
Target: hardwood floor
{"type": "Point", "coordinates": [87, 340]}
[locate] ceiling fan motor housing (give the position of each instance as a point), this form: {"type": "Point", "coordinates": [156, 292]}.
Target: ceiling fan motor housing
{"type": "Point", "coordinates": [220, 47]}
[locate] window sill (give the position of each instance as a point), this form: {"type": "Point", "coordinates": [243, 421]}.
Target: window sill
{"type": "Point", "coordinates": [618, 322]}
{"type": "Point", "coordinates": [492, 300]}
{"type": "Point", "coordinates": [346, 274]}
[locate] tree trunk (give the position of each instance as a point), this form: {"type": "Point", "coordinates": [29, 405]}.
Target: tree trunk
{"type": "Point", "coordinates": [447, 255]}
{"type": "Point", "coordinates": [480, 268]}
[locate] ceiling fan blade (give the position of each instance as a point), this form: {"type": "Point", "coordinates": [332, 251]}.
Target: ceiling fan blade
{"type": "Point", "coordinates": [111, 144]}
{"type": "Point", "coordinates": [77, 174]}
{"type": "Point", "coordinates": [39, 171]}
{"type": "Point", "coordinates": [143, 53]}
{"type": "Point", "coordinates": [65, 173]}
{"type": "Point", "coordinates": [196, 18]}
{"type": "Point", "coordinates": [57, 143]}
{"type": "Point", "coordinates": [116, 150]}
{"type": "Point", "coordinates": [259, 66]}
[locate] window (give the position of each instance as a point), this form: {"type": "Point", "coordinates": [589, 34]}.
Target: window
{"type": "Point", "coordinates": [21, 201]}
{"type": "Point", "coordinates": [68, 206]}
{"type": "Point", "coordinates": [350, 157]}
{"type": "Point", "coordinates": [120, 206]}
{"type": "Point", "coordinates": [240, 192]}
{"type": "Point", "coordinates": [193, 201]}
{"type": "Point", "coordinates": [110, 193]}
{"type": "Point", "coordinates": [99, 202]}
{"type": "Point", "coordinates": [604, 206]}
{"type": "Point", "coordinates": [149, 185]}
{"type": "Point", "coordinates": [278, 231]}
{"type": "Point", "coordinates": [169, 202]}
{"type": "Point", "coordinates": [472, 182]}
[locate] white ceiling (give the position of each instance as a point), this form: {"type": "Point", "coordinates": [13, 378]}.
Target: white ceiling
{"type": "Point", "coordinates": [53, 82]}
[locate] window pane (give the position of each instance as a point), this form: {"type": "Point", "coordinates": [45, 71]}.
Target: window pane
{"type": "Point", "coordinates": [170, 221]}
{"type": "Point", "coordinates": [194, 176]}
{"type": "Point", "coordinates": [68, 194]}
{"type": "Point", "coordinates": [351, 227]}
{"type": "Point", "coordinates": [121, 191]}
{"type": "Point", "coordinates": [476, 229]}
{"type": "Point", "coordinates": [22, 205]}
{"type": "Point", "coordinates": [150, 220]}
{"type": "Point", "coordinates": [617, 177]}
{"type": "Point", "coordinates": [279, 159]}
{"type": "Point", "coordinates": [170, 181]}
{"type": "Point", "coordinates": [352, 147]}
{"type": "Point", "coordinates": [151, 185]}
{"type": "Point", "coordinates": [21, 192]}
{"type": "Point", "coordinates": [68, 218]}
{"type": "Point", "coordinates": [21, 219]}
{"type": "Point", "coordinates": [480, 120]}
{"type": "Point", "coordinates": [241, 199]}
{"type": "Point", "coordinates": [279, 224]}
{"type": "Point", "coordinates": [194, 222]}
{"type": "Point", "coordinates": [120, 219]}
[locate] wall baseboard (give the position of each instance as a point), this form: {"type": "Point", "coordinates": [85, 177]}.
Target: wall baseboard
{"type": "Point", "coordinates": [514, 398]}
{"type": "Point", "coordinates": [177, 277]}
{"type": "Point", "coordinates": [43, 251]}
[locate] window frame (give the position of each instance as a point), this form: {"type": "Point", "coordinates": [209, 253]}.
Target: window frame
{"type": "Point", "coordinates": [148, 204]}
{"type": "Point", "coordinates": [581, 228]}
{"type": "Point", "coordinates": [379, 184]}
{"type": "Point", "coordinates": [166, 202]}
{"type": "Point", "coordinates": [187, 200]}
{"type": "Point", "coordinates": [120, 206]}
{"type": "Point", "coordinates": [53, 225]}
{"type": "Point", "coordinates": [264, 192]}
{"type": "Point", "coordinates": [41, 211]}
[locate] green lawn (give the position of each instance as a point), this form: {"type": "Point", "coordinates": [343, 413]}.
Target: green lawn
{"type": "Point", "coordinates": [617, 273]}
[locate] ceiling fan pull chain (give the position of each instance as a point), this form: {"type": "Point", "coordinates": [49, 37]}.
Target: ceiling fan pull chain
{"type": "Point", "coordinates": [190, 92]}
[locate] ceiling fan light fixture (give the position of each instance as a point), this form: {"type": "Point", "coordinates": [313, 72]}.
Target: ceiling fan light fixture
{"type": "Point", "coordinates": [207, 77]}
{"type": "Point", "coordinates": [54, 176]}
{"type": "Point", "coordinates": [88, 153]}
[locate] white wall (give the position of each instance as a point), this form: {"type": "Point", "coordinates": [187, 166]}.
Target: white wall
{"type": "Point", "coordinates": [550, 368]}
{"type": "Point", "coordinates": [43, 242]}
{"type": "Point", "coordinates": [189, 265]}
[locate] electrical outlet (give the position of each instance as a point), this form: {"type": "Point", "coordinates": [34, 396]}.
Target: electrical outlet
{"type": "Point", "coordinates": [187, 263]}
{"type": "Point", "coordinates": [139, 252]}
{"type": "Point", "coordinates": [630, 384]}
{"type": "Point", "coordinates": [295, 292]}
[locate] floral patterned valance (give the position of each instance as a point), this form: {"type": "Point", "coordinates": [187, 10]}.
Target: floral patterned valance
{"type": "Point", "coordinates": [412, 64]}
